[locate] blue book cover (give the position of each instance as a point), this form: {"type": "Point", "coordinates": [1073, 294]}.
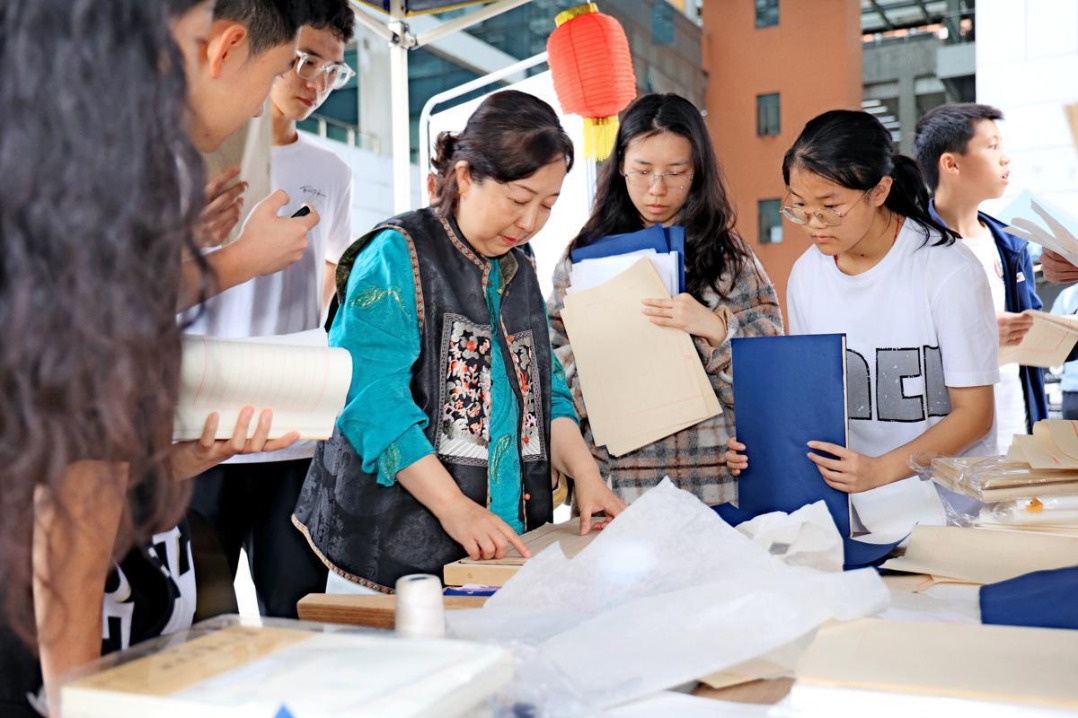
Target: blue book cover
{"type": "Point", "coordinates": [661, 239]}
{"type": "Point", "coordinates": [790, 390]}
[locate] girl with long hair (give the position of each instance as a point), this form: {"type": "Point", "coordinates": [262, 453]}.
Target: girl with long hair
{"type": "Point", "coordinates": [663, 170]}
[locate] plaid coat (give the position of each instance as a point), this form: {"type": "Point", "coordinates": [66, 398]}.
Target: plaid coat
{"type": "Point", "coordinates": [693, 457]}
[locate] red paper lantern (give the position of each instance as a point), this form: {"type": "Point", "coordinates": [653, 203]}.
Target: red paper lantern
{"type": "Point", "coordinates": [593, 74]}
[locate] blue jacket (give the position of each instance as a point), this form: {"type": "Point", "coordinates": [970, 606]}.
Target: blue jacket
{"type": "Point", "coordinates": [1020, 294]}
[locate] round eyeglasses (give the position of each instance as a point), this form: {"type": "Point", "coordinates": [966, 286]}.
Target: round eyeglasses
{"type": "Point", "coordinates": [644, 179]}
{"type": "Point", "coordinates": [824, 215]}
{"type": "Point", "coordinates": [335, 75]}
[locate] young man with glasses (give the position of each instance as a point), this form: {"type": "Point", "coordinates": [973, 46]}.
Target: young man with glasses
{"type": "Point", "coordinates": [249, 500]}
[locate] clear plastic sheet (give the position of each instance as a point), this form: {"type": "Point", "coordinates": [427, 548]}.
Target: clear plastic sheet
{"type": "Point", "coordinates": [665, 594]}
{"type": "Point", "coordinates": [991, 490]}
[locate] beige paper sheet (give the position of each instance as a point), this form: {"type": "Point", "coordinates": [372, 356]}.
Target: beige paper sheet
{"type": "Point", "coordinates": [1063, 434]}
{"type": "Point", "coordinates": [640, 382]}
{"type": "Point", "coordinates": [186, 664]}
{"type": "Point", "coordinates": [1039, 450]}
{"type": "Point", "coordinates": [607, 429]}
{"type": "Point", "coordinates": [248, 148]}
{"type": "Point", "coordinates": [989, 663]}
{"type": "Point", "coordinates": [1047, 343]}
{"type": "Point", "coordinates": [983, 556]}
{"type": "Point", "coordinates": [305, 386]}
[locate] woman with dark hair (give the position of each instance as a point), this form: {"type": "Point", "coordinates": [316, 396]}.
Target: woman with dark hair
{"type": "Point", "coordinates": [100, 188]}
{"type": "Point", "coordinates": [98, 198]}
{"type": "Point", "coordinates": [663, 170]}
{"type": "Point", "coordinates": [457, 409]}
{"type": "Point", "coordinates": [915, 308]}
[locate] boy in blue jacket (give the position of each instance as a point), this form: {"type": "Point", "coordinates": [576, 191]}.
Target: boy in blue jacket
{"type": "Point", "coordinates": [960, 150]}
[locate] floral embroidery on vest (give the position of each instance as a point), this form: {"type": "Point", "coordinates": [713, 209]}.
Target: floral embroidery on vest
{"type": "Point", "coordinates": [522, 349]}
{"type": "Point", "coordinates": [464, 431]}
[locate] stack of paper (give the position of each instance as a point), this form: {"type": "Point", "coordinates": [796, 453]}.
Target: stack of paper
{"type": "Point", "coordinates": [1048, 343]}
{"type": "Point", "coordinates": [992, 478]}
{"type": "Point", "coordinates": [982, 555]}
{"type": "Point", "coordinates": [229, 671]}
{"type": "Point", "coordinates": [641, 382]}
{"type": "Point", "coordinates": [303, 382]}
{"type": "Point", "coordinates": [590, 273]}
{"type": "Point", "coordinates": [1037, 220]}
{"type": "Point", "coordinates": [906, 668]}
{"type": "Point", "coordinates": [657, 240]}
{"type": "Point", "coordinates": [1033, 488]}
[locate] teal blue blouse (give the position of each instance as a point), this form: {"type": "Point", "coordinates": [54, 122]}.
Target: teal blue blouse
{"type": "Point", "coordinates": [377, 324]}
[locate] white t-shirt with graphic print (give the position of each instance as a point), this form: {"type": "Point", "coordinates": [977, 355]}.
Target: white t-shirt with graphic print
{"type": "Point", "coordinates": [919, 321]}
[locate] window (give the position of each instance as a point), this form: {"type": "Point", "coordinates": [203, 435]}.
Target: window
{"type": "Point", "coordinates": [767, 13]}
{"type": "Point", "coordinates": [770, 220]}
{"type": "Point", "coordinates": [767, 115]}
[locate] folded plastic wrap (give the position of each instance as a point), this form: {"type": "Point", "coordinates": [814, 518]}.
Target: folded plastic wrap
{"type": "Point", "coordinates": [980, 490]}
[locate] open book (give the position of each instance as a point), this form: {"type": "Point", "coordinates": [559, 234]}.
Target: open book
{"type": "Point", "coordinates": [305, 385]}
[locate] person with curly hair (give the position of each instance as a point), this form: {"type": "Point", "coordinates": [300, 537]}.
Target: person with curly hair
{"type": "Point", "coordinates": [101, 196]}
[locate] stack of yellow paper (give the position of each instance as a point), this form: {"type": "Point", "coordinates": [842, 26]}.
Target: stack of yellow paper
{"type": "Point", "coordinates": [910, 668]}
{"type": "Point", "coordinates": [641, 382]}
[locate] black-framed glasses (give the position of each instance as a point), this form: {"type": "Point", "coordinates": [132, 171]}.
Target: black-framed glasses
{"type": "Point", "coordinates": [644, 179]}
{"type": "Point", "coordinates": [335, 74]}
{"type": "Point", "coordinates": [825, 215]}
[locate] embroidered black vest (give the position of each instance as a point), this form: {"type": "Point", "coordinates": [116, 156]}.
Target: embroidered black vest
{"type": "Point", "coordinates": [374, 534]}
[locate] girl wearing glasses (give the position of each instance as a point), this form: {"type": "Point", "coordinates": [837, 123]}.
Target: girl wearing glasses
{"type": "Point", "coordinates": [457, 410]}
{"type": "Point", "coordinates": [915, 307]}
{"type": "Point", "coordinates": [663, 170]}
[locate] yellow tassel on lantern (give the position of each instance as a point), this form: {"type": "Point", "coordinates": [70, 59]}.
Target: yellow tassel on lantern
{"type": "Point", "coordinates": [599, 136]}
{"type": "Point", "coordinates": [592, 69]}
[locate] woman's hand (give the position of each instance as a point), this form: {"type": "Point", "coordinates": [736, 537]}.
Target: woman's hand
{"type": "Point", "coordinates": [850, 472]}
{"type": "Point", "coordinates": [482, 534]}
{"type": "Point", "coordinates": [191, 458]}
{"type": "Point", "coordinates": [685, 313]}
{"type": "Point", "coordinates": [594, 496]}
{"type": "Point", "coordinates": [736, 461]}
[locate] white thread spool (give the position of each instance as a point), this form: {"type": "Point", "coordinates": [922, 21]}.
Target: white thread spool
{"type": "Point", "coordinates": [420, 611]}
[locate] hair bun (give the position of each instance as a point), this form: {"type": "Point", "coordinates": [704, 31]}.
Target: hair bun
{"type": "Point", "coordinates": [444, 149]}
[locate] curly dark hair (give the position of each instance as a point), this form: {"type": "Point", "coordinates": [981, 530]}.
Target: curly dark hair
{"type": "Point", "coordinates": [99, 192]}
{"type": "Point", "coordinates": [713, 249]}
